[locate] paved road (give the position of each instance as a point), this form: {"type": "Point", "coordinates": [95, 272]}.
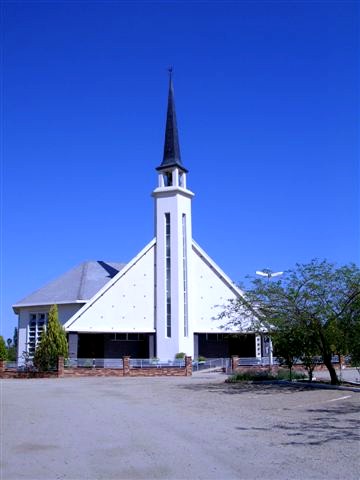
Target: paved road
{"type": "Point", "coordinates": [176, 428]}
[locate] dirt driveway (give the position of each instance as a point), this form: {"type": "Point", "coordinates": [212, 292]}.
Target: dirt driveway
{"type": "Point", "coordinates": [176, 428]}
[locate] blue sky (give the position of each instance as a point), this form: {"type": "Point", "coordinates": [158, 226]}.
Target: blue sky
{"type": "Point", "coordinates": [267, 102]}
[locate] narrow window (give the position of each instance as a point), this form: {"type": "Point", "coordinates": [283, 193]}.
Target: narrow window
{"type": "Point", "coordinates": [186, 328]}
{"type": "Point", "coordinates": [37, 326]}
{"type": "Point", "coordinates": [168, 179]}
{"type": "Point", "coordinates": [168, 274]}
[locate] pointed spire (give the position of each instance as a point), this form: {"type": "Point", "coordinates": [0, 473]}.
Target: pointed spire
{"type": "Point", "coordinates": [172, 155]}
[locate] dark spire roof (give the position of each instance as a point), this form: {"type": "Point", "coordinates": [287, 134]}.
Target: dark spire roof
{"type": "Point", "coordinates": [172, 157]}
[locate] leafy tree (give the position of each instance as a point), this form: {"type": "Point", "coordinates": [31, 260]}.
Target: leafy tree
{"type": "Point", "coordinates": [15, 337]}
{"type": "Point", "coordinates": [11, 346]}
{"type": "Point", "coordinates": [11, 350]}
{"type": "Point", "coordinates": [53, 343]}
{"type": "Point", "coordinates": [287, 346]}
{"type": "Point", "coordinates": [317, 304]}
{"type": "Point", "coordinates": [353, 337]}
{"type": "Point", "coordinates": [3, 349]}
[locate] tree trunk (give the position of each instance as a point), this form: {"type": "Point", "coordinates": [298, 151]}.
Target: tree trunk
{"type": "Point", "coordinates": [330, 367]}
{"type": "Point", "coordinates": [326, 354]}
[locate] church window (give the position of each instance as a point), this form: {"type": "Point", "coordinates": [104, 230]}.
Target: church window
{"type": "Point", "coordinates": [36, 328]}
{"type": "Point", "coordinates": [168, 274]}
{"type": "Point", "coordinates": [186, 326]}
{"type": "Point", "coordinates": [215, 337]}
{"type": "Point", "coordinates": [127, 337]}
{"type": "Point", "coordinates": [168, 179]}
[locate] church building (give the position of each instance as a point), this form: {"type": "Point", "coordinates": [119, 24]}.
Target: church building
{"type": "Point", "coordinates": [164, 301]}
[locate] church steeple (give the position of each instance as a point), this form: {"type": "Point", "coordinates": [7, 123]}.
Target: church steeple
{"type": "Point", "coordinates": [173, 253]}
{"type": "Point", "coordinates": [171, 157]}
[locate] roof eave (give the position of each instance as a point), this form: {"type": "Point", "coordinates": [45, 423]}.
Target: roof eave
{"type": "Point", "coordinates": [17, 306]}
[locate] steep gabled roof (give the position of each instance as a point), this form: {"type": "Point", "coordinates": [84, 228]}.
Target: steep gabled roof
{"type": "Point", "coordinates": [75, 286]}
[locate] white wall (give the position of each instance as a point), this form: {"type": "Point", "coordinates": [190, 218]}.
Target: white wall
{"type": "Point", "coordinates": [176, 201]}
{"type": "Point", "coordinates": [125, 304]}
{"type": "Point", "coordinates": [211, 291]}
{"type": "Point", "coordinates": [65, 311]}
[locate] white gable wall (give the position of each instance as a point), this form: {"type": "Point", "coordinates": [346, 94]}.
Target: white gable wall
{"type": "Point", "coordinates": [125, 304]}
{"type": "Point", "coordinates": [211, 290]}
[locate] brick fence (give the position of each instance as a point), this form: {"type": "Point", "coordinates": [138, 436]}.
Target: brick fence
{"type": "Point", "coordinates": [125, 371]}
{"type": "Point", "coordinates": [265, 368]}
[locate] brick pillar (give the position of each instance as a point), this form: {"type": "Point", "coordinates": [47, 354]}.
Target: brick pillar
{"type": "Point", "coordinates": [60, 367]}
{"type": "Point", "coordinates": [188, 366]}
{"type": "Point", "coordinates": [234, 362]}
{"type": "Point", "coordinates": [126, 366]}
{"type": "Point", "coordinates": [2, 366]}
{"type": "Point", "coordinates": [341, 362]}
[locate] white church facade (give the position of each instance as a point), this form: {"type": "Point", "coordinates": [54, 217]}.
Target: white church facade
{"type": "Point", "coordinates": [166, 300]}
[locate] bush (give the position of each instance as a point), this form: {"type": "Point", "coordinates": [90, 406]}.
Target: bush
{"type": "Point", "coordinates": [284, 374]}
{"type": "Point", "coordinates": [180, 356]}
{"type": "Point", "coordinates": [260, 376]}
{"type": "Point", "coordinates": [3, 349]}
{"type": "Point", "coordinates": [250, 376]}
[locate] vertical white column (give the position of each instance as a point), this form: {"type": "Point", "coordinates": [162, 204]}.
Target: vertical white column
{"type": "Point", "coordinates": [175, 204]}
{"type": "Point", "coordinates": [258, 346]}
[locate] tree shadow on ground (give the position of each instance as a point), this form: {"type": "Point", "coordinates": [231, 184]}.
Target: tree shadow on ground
{"type": "Point", "coordinates": [260, 388]}
{"type": "Point", "coordinates": [299, 425]}
{"type": "Point", "coordinates": [323, 425]}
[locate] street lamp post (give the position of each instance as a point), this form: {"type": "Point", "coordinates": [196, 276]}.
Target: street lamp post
{"type": "Point", "coordinates": [269, 274]}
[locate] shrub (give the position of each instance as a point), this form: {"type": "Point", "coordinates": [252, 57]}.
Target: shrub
{"type": "Point", "coordinates": [180, 356]}
{"type": "Point", "coordinates": [260, 376]}
{"type": "Point", "coordinates": [284, 374]}
{"type": "Point", "coordinates": [250, 376]}
{"type": "Point", "coordinates": [3, 349]}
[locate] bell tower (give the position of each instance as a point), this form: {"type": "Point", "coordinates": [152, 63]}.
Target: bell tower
{"type": "Point", "coordinates": [173, 231]}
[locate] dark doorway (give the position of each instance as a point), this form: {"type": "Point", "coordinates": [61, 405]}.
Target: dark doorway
{"type": "Point", "coordinates": [222, 345]}
{"type": "Point", "coordinates": [135, 345]}
{"type": "Point", "coordinates": [91, 345]}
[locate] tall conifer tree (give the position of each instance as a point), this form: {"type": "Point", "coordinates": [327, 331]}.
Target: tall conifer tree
{"type": "Point", "coordinates": [3, 349]}
{"type": "Point", "coordinates": [53, 343]}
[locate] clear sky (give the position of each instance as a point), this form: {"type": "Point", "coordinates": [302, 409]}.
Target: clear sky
{"type": "Point", "coordinates": [267, 98]}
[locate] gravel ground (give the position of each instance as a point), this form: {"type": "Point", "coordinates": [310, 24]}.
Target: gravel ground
{"type": "Point", "coordinates": [176, 428]}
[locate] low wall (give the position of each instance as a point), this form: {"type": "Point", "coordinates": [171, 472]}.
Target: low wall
{"type": "Point", "coordinates": [125, 371]}
{"type": "Point", "coordinates": [11, 373]}
{"type": "Point", "coordinates": [274, 368]}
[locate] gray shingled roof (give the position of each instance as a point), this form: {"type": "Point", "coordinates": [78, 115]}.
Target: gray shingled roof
{"type": "Point", "coordinates": [77, 285]}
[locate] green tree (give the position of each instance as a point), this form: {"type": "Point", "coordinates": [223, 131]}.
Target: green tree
{"type": "Point", "coordinates": [53, 343]}
{"type": "Point", "coordinates": [287, 346]}
{"type": "Point", "coordinates": [3, 349]}
{"type": "Point", "coordinates": [353, 336]}
{"type": "Point", "coordinates": [317, 303]}
{"type": "Point", "coordinates": [11, 346]}
{"type": "Point", "coordinates": [11, 350]}
{"type": "Point", "coordinates": [15, 337]}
